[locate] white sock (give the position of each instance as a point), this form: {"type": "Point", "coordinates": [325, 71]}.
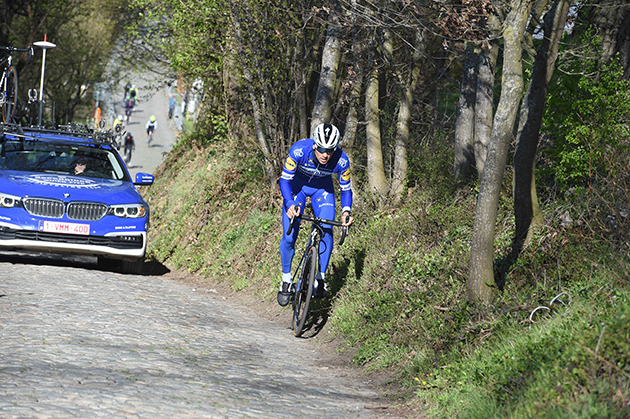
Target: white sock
{"type": "Point", "coordinates": [286, 277]}
{"type": "Point", "coordinates": [319, 277]}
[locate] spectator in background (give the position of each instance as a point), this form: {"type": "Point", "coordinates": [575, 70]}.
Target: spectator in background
{"type": "Point", "coordinates": [171, 105]}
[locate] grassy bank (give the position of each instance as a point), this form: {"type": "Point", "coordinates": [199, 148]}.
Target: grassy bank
{"type": "Point", "coordinates": [398, 289]}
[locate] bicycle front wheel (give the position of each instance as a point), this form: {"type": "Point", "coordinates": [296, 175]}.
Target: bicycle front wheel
{"type": "Point", "coordinates": [10, 95]}
{"type": "Point", "coordinates": [305, 292]}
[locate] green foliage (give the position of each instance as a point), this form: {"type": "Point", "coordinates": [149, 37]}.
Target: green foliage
{"type": "Point", "coordinates": [587, 120]}
{"type": "Point", "coordinates": [84, 34]}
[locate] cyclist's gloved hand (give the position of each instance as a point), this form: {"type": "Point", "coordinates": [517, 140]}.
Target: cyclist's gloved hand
{"type": "Point", "coordinates": [293, 211]}
{"type": "Point", "coordinates": [346, 219]}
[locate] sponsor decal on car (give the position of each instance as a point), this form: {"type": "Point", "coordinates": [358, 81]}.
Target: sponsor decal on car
{"type": "Point", "coordinates": [125, 227]}
{"type": "Point", "coordinates": [63, 181]}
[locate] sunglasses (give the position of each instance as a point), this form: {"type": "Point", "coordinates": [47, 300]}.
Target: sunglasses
{"type": "Point", "coordinates": [325, 150]}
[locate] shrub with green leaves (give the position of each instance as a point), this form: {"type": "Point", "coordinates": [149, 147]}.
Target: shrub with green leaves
{"type": "Point", "coordinates": [588, 124]}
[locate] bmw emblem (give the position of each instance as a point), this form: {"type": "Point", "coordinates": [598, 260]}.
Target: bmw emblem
{"type": "Point", "coordinates": [66, 195]}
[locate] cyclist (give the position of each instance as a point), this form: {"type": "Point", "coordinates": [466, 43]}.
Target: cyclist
{"type": "Point", "coordinates": [151, 127]}
{"type": "Point", "coordinates": [118, 121]}
{"type": "Point", "coordinates": [308, 173]}
{"type": "Point", "coordinates": [132, 93]}
{"type": "Point", "coordinates": [127, 88]}
{"type": "Point", "coordinates": [130, 146]}
{"type": "Point", "coordinates": [129, 104]}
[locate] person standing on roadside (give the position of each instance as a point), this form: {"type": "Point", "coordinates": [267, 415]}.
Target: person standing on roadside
{"type": "Point", "coordinates": [171, 105]}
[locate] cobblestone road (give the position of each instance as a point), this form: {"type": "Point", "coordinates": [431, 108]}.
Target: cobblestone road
{"type": "Point", "coordinates": [77, 342]}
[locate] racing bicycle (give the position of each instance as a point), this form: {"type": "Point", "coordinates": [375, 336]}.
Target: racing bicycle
{"type": "Point", "coordinates": [9, 82]}
{"type": "Point", "coordinates": [302, 289]}
{"type": "Point", "coordinates": [127, 157]}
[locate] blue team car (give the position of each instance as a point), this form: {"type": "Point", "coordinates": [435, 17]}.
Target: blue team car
{"type": "Point", "coordinates": [68, 191]}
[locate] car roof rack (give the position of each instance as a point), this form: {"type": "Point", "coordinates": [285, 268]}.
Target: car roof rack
{"type": "Point", "coordinates": [97, 137]}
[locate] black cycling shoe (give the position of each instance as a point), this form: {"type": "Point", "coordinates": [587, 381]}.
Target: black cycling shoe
{"type": "Point", "coordinates": [320, 291]}
{"type": "Point", "coordinates": [284, 295]}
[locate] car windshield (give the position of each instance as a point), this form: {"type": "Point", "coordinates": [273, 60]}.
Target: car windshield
{"type": "Point", "coordinates": [60, 158]}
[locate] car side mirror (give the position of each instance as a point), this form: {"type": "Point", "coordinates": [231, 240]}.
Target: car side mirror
{"type": "Point", "coordinates": [144, 179]}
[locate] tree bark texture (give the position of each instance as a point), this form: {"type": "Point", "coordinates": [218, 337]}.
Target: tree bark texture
{"type": "Point", "coordinates": [322, 108]}
{"type": "Point", "coordinates": [612, 19]}
{"type": "Point", "coordinates": [355, 83]}
{"type": "Point", "coordinates": [465, 122]}
{"type": "Point", "coordinates": [375, 170]}
{"type": "Point", "coordinates": [527, 213]}
{"type": "Point", "coordinates": [484, 106]}
{"type": "Point", "coordinates": [399, 173]}
{"type": "Point", "coordinates": [481, 284]}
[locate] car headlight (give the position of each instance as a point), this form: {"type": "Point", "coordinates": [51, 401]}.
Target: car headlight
{"type": "Point", "coordinates": [9, 201]}
{"type": "Point", "coordinates": [128, 210]}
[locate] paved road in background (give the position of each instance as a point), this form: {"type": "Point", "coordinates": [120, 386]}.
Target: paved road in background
{"type": "Point", "coordinates": [148, 157]}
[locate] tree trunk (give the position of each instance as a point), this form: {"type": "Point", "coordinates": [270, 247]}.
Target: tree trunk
{"type": "Point", "coordinates": [322, 109]}
{"type": "Point", "coordinates": [375, 169]}
{"type": "Point", "coordinates": [481, 284]}
{"type": "Point", "coordinates": [355, 80]}
{"type": "Point", "coordinates": [399, 174]}
{"type": "Point", "coordinates": [268, 166]}
{"type": "Point", "coordinates": [527, 213]}
{"type": "Point", "coordinates": [484, 106]}
{"type": "Point", "coordinates": [301, 93]}
{"type": "Point", "coordinates": [465, 123]}
{"type": "Point", "coordinates": [612, 20]}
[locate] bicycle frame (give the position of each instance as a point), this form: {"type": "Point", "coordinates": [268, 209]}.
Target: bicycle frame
{"type": "Point", "coordinates": [5, 64]}
{"type": "Point", "coordinates": [316, 230]}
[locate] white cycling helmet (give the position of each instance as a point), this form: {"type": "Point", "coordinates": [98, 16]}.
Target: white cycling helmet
{"type": "Point", "coordinates": [120, 117]}
{"type": "Point", "coordinates": [326, 136]}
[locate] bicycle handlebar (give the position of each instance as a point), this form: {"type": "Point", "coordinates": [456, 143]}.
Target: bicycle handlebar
{"type": "Point", "coordinates": [14, 49]}
{"type": "Point", "coordinates": [17, 49]}
{"type": "Point", "coordinates": [344, 230]}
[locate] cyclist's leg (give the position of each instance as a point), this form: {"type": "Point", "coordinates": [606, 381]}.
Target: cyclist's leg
{"type": "Point", "coordinates": [287, 242]}
{"type": "Point", "coordinates": [287, 250]}
{"type": "Point", "coordinates": [323, 202]}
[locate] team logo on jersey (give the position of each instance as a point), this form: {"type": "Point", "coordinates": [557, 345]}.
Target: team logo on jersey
{"type": "Point", "coordinates": [298, 152]}
{"type": "Point", "coordinates": [346, 175]}
{"type": "Point", "coordinates": [290, 164]}
{"type": "Point", "coordinates": [343, 163]}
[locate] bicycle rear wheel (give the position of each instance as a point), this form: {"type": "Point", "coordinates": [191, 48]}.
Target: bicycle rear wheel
{"type": "Point", "coordinates": [10, 95]}
{"type": "Point", "coordinates": [303, 295]}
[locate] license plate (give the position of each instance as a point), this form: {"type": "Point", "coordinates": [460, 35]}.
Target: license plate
{"type": "Point", "coordinates": [67, 228]}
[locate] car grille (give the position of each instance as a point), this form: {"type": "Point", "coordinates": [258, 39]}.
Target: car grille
{"type": "Point", "coordinates": [87, 211]}
{"type": "Point", "coordinates": [117, 242]}
{"type": "Point", "coordinates": [53, 208]}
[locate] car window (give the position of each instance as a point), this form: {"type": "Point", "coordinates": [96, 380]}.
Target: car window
{"type": "Point", "coordinates": [60, 158]}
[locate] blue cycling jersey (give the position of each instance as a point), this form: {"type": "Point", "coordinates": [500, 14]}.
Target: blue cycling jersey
{"type": "Point", "coordinates": [302, 168]}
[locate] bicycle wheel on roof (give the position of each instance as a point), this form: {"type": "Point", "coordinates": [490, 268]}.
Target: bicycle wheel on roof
{"type": "Point", "coordinates": [9, 93]}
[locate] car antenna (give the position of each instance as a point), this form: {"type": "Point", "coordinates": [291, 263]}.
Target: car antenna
{"type": "Point", "coordinates": [44, 45]}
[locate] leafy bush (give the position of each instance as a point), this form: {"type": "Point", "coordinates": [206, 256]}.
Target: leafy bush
{"type": "Point", "coordinates": [589, 124]}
